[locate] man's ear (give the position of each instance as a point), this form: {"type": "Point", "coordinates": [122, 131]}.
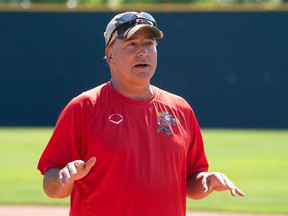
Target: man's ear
{"type": "Point", "coordinates": [108, 55]}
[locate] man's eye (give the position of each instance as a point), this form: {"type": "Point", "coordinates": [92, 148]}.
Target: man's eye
{"type": "Point", "coordinates": [150, 43]}
{"type": "Point", "coordinates": [132, 44]}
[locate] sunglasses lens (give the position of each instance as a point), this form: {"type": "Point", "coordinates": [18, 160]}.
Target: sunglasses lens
{"type": "Point", "coordinates": [147, 16]}
{"type": "Point", "coordinates": [130, 19]}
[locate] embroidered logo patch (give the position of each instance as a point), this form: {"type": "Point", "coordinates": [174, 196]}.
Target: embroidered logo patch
{"type": "Point", "coordinates": [116, 118]}
{"type": "Point", "coordinates": [164, 119]}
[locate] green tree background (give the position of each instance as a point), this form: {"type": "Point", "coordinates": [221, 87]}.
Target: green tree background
{"type": "Point", "coordinates": [145, 1]}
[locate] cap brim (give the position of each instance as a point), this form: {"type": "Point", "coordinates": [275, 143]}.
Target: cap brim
{"type": "Point", "coordinates": [131, 31]}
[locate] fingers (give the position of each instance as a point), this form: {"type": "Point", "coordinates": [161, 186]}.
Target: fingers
{"type": "Point", "coordinates": [75, 170]}
{"type": "Point", "coordinates": [230, 186]}
{"type": "Point", "coordinates": [239, 192]}
{"type": "Point", "coordinates": [233, 189]}
{"type": "Point", "coordinates": [67, 172]}
{"type": "Point", "coordinates": [219, 182]}
{"type": "Point", "coordinates": [90, 163]}
{"type": "Point", "coordinates": [205, 184]}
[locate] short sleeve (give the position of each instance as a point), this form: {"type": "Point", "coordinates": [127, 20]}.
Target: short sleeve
{"type": "Point", "coordinates": [64, 145]}
{"type": "Point", "coordinates": [196, 157]}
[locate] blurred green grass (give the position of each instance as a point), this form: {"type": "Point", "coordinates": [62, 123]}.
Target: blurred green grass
{"type": "Point", "coordinates": [255, 160]}
{"type": "Point", "coordinates": [20, 181]}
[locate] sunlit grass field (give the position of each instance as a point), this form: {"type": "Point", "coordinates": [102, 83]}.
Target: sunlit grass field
{"type": "Point", "coordinates": [255, 160]}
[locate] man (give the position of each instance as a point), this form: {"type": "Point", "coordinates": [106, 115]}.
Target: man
{"type": "Point", "coordinates": [147, 142]}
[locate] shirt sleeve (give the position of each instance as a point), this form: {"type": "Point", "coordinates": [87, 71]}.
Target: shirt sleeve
{"type": "Point", "coordinates": [196, 158]}
{"type": "Point", "coordinates": [64, 145]}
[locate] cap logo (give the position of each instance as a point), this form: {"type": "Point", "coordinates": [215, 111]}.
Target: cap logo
{"type": "Point", "coordinates": [140, 21]}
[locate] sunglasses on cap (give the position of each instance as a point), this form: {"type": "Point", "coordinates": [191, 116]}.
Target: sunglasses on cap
{"type": "Point", "coordinates": [129, 20]}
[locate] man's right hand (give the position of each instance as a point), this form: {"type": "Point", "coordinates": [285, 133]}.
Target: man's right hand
{"type": "Point", "coordinates": [58, 183]}
{"type": "Point", "coordinates": [75, 170]}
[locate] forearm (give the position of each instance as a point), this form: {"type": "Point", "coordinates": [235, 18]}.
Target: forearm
{"type": "Point", "coordinates": [195, 188]}
{"type": "Point", "coordinates": [52, 186]}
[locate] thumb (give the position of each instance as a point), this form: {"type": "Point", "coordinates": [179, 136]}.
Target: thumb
{"type": "Point", "coordinates": [205, 184]}
{"type": "Point", "coordinates": [90, 163]}
{"type": "Point", "coordinates": [205, 187]}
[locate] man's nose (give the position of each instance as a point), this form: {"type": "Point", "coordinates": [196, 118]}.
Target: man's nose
{"type": "Point", "coordinates": [143, 51]}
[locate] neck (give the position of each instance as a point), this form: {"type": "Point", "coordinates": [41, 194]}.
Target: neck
{"type": "Point", "coordinates": [133, 92]}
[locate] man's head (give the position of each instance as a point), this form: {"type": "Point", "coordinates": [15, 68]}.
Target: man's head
{"type": "Point", "coordinates": [124, 25]}
{"type": "Point", "coordinates": [131, 48]}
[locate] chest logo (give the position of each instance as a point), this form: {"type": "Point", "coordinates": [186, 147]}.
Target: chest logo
{"type": "Point", "coordinates": [116, 118]}
{"type": "Point", "coordinates": [164, 120]}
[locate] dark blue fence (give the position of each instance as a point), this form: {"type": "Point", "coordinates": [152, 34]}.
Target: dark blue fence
{"type": "Point", "coordinates": [232, 67]}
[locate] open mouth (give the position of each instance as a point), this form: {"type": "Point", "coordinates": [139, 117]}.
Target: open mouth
{"type": "Point", "coordinates": [141, 65]}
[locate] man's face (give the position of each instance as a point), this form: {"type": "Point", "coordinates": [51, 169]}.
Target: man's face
{"type": "Point", "coordinates": [133, 60]}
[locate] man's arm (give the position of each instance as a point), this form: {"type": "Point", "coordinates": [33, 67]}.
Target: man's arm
{"type": "Point", "coordinates": [52, 186]}
{"type": "Point", "coordinates": [58, 183]}
{"type": "Point", "coordinates": [201, 184]}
